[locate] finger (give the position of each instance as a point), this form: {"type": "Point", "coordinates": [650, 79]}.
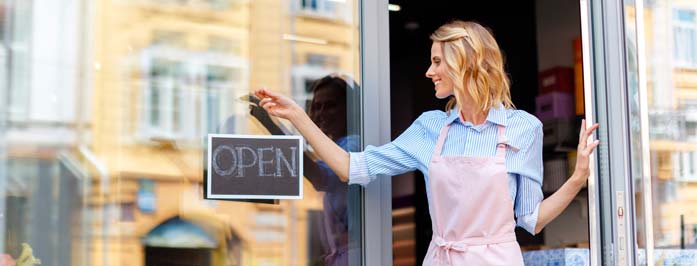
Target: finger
{"type": "Point", "coordinates": [590, 130]}
{"type": "Point", "coordinates": [270, 94]}
{"type": "Point", "coordinates": [259, 93]}
{"type": "Point", "coordinates": [262, 103]}
{"type": "Point", "coordinates": [267, 104]}
{"type": "Point", "coordinates": [589, 133]}
{"type": "Point", "coordinates": [592, 146]}
{"type": "Point", "coordinates": [581, 134]}
{"type": "Point", "coordinates": [268, 100]}
{"type": "Point", "coordinates": [264, 100]}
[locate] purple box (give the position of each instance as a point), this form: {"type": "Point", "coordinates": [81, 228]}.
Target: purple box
{"type": "Point", "coordinates": [554, 105]}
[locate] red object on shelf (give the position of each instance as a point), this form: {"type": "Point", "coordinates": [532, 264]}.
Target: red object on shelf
{"type": "Point", "coordinates": [556, 79]}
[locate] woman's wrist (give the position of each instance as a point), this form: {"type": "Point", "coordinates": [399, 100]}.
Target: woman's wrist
{"type": "Point", "coordinates": [579, 177]}
{"type": "Point", "coordinates": [297, 115]}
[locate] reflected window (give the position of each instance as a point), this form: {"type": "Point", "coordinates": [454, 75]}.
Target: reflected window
{"type": "Point", "coordinates": [187, 88]}
{"type": "Point", "coordinates": [685, 37]}
{"type": "Point", "coordinates": [330, 9]}
{"type": "Point", "coordinates": [162, 93]}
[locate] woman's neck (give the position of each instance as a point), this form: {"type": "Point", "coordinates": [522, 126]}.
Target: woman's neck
{"type": "Point", "coordinates": [469, 113]}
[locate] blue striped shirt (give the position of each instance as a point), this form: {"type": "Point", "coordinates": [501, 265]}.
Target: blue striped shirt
{"type": "Point", "coordinates": [413, 149]}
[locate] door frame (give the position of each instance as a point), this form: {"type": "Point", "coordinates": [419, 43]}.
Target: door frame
{"type": "Point", "coordinates": [375, 103]}
{"type": "Point", "coordinates": [611, 193]}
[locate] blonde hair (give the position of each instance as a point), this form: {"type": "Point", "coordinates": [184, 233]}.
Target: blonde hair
{"type": "Point", "coordinates": [475, 65]}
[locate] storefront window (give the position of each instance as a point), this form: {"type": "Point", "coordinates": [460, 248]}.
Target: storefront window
{"type": "Point", "coordinates": [105, 109]}
{"type": "Point", "coordinates": [669, 96]}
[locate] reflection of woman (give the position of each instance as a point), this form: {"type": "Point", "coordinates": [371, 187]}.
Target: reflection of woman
{"type": "Point", "coordinates": [482, 159]}
{"type": "Point", "coordinates": [328, 112]}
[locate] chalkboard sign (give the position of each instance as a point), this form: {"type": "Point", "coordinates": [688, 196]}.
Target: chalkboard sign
{"type": "Point", "coordinates": [254, 167]}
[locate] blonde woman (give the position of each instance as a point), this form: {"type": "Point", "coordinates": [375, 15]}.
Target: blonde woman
{"type": "Point", "coordinates": [481, 158]}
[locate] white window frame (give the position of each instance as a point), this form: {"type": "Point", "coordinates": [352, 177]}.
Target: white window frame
{"type": "Point", "coordinates": [685, 166]}
{"type": "Point", "coordinates": [194, 103]}
{"type": "Point", "coordinates": [678, 46]}
{"type": "Point", "coordinates": [339, 11]}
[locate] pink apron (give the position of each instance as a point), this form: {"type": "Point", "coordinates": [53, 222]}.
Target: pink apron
{"type": "Point", "coordinates": [471, 209]}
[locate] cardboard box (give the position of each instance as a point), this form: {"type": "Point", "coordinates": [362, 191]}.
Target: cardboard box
{"type": "Point", "coordinates": [554, 105]}
{"type": "Point", "coordinates": [559, 79]}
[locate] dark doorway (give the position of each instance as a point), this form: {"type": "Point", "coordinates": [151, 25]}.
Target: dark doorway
{"type": "Point", "coordinates": [161, 256]}
{"type": "Point", "coordinates": [513, 26]}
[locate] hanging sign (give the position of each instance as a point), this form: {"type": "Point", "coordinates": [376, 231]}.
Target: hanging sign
{"type": "Point", "coordinates": [254, 167]}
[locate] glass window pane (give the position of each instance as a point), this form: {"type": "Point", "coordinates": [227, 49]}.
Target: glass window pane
{"type": "Point", "coordinates": [671, 146]}
{"type": "Point", "coordinates": [103, 129]}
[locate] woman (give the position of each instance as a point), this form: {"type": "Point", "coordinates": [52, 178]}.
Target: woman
{"type": "Point", "coordinates": [479, 158]}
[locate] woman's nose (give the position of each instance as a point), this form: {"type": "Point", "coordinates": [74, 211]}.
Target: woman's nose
{"type": "Point", "coordinates": [429, 73]}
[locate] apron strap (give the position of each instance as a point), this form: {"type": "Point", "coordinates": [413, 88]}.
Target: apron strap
{"type": "Point", "coordinates": [502, 142]}
{"type": "Point", "coordinates": [441, 139]}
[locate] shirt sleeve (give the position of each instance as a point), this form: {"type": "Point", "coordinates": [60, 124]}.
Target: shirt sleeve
{"type": "Point", "coordinates": [529, 188]}
{"type": "Point", "coordinates": [528, 222]}
{"type": "Point", "coordinates": [394, 158]}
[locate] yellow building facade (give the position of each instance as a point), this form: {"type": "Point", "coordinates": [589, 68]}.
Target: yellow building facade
{"type": "Point", "coordinates": [166, 74]}
{"type": "Point", "coordinates": [671, 78]}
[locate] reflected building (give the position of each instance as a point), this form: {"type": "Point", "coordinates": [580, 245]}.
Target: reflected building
{"type": "Point", "coordinates": [671, 58]}
{"type": "Point", "coordinates": [106, 133]}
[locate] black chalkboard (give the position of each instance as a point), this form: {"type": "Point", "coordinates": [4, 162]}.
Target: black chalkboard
{"type": "Point", "coordinates": [254, 167]}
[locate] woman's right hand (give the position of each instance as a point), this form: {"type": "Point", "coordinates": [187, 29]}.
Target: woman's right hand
{"type": "Point", "coordinates": [277, 104]}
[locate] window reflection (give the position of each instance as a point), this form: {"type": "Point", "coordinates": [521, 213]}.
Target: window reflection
{"type": "Point", "coordinates": [671, 58]}
{"type": "Point", "coordinates": [109, 103]}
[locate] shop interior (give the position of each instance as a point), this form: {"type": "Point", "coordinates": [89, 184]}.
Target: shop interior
{"type": "Point", "coordinates": [540, 40]}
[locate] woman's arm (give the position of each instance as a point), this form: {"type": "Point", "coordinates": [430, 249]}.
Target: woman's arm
{"type": "Point", "coordinates": [281, 106]}
{"type": "Point", "coordinates": [551, 207]}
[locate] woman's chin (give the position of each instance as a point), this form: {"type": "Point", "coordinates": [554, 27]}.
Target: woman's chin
{"type": "Point", "coordinates": [440, 97]}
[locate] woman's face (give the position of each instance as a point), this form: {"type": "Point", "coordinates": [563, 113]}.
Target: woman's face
{"type": "Point", "coordinates": [437, 72]}
{"type": "Point", "coordinates": [329, 112]}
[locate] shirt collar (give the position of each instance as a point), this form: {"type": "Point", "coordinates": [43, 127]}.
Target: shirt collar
{"type": "Point", "coordinates": [496, 115]}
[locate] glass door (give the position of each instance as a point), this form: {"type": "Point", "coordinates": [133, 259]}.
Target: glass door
{"type": "Point", "coordinates": [662, 64]}
{"type": "Point", "coordinates": [105, 106]}
{"type": "Point", "coordinates": [641, 79]}
{"type": "Point", "coordinates": [606, 83]}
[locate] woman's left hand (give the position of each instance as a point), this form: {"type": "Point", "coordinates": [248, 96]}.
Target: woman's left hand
{"type": "Point", "coordinates": [585, 149]}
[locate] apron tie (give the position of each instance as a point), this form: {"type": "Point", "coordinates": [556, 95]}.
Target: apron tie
{"type": "Point", "coordinates": [463, 245]}
{"type": "Point", "coordinates": [450, 245]}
